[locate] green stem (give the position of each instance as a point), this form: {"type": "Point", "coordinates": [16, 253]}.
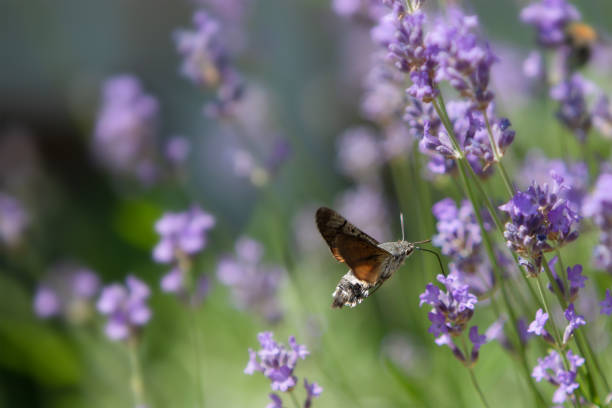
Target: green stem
{"type": "Point", "coordinates": [136, 382]}
{"type": "Point", "coordinates": [478, 389]}
{"type": "Point", "coordinates": [556, 333]}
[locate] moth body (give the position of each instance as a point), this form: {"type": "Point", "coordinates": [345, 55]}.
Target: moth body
{"type": "Point", "coordinates": [371, 263]}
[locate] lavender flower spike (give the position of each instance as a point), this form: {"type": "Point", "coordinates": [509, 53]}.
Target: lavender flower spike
{"type": "Point", "coordinates": [574, 320]}
{"type": "Point", "coordinates": [551, 369]}
{"type": "Point", "coordinates": [276, 361]}
{"type": "Point", "coordinates": [183, 232]}
{"type": "Point", "coordinates": [13, 220]}
{"type": "Point", "coordinates": [125, 307]}
{"type": "Point", "coordinates": [537, 326]}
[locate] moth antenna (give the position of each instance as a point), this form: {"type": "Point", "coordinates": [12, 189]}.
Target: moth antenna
{"type": "Point", "coordinates": [402, 224]}
{"type": "Point", "coordinates": [437, 256]}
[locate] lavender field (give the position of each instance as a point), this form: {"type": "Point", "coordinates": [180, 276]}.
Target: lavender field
{"type": "Point", "coordinates": [162, 163]}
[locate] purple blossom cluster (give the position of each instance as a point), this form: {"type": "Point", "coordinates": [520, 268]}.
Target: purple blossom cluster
{"type": "Point", "coordinates": [126, 308]}
{"type": "Point", "coordinates": [573, 111]}
{"type": "Point", "coordinates": [471, 132]}
{"type": "Point", "coordinates": [68, 291]}
{"type": "Point", "coordinates": [598, 207]}
{"type": "Point", "coordinates": [541, 169]}
{"type": "Point", "coordinates": [278, 362]}
{"type": "Point", "coordinates": [459, 237]}
{"type": "Point", "coordinates": [451, 311]}
{"type": "Point", "coordinates": [359, 152]}
{"type": "Point", "coordinates": [551, 369]}
{"type": "Point", "coordinates": [448, 51]}
{"type": "Point", "coordinates": [126, 128]}
{"type": "Point", "coordinates": [182, 236]}
{"type": "Point", "coordinates": [14, 220]}
{"type": "Point", "coordinates": [550, 18]}
{"type": "Point", "coordinates": [206, 62]}
{"type": "Point", "coordinates": [540, 221]}
{"type": "Point", "coordinates": [253, 284]}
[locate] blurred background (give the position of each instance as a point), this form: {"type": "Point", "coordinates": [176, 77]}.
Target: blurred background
{"type": "Point", "coordinates": [304, 66]}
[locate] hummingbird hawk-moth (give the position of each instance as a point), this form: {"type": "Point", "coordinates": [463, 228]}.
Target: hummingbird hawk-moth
{"type": "Point", "coordinates": [371, 263]}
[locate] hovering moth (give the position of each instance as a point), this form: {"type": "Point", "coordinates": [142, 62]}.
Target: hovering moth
{"type": "Point", "coordinates": [371, 263]}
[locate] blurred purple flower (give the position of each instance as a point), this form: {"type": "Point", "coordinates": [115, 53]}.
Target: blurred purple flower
{"type": "Point", "coordinates": [125, 307]}
{"type": "Point", "coordinates": [551, 369]}
{"type": "Point", "coordinates": [575, 321]}
{"type": "Point", "coordinates": [276, 361]}
{"type": "Point", "coordinates": [598, 206]}
{"type": "Point", "coordinates": [204, 58]}
{"type": "Point", "coordinates": [606, 304]}
{"type": "Point", "coordinates": [183, 233]}
{"type": "Point", "coordinates": [573, 110]}
{"type": "Point", "coordinates": [540, 221]}
{"type": "Point", "coordinates": [359, 152]}
{"type": "Point", "coordinates": [537, 326]}
{"type": "Point", "coordinates": [276, 401]}
{"type": "Point", "coordinates": [542, 170]}
{"type": "Point", "coordinates": [125, 130]}
{"type": "Point", "coordinates": [253, 285]}
{"type": "Point", "coordinates": [67, 291]}
{"type": "Point", "coordinates": [365, 206]}
{"type": "Point", "coordinates": [478, 340]}
{"type": "Point", "coordinates": [313, 390]}
{"type": "Point", "coordinates": [177, 149]}
{"type": "Point", "coordinates": [602, 116]}
{"type": "Point", "coordinates": [384, 96]}
{"type": "Point", "coordinates": [550, 19]}
{"type": "Point", "coordinates": [13, 220]}
{"type": "Point", "coordinates": [533, 66]}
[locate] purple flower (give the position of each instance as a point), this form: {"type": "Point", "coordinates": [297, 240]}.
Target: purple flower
{"type": "Point", "coordinates": [543, 170]}
{"type": "Point", "coordinates": [606, 304]}
{"type": "Point", "coordinates": [598, 206]}
{"type": "Point", "coordinates": [13, 220]}
{"type": "Point", "coordinates": [125, 307]}
{"type": "Point", "coordinates": [533, 66]}
{"type": "Point", "coordinates": [68, 291]}
{"type": "Point", "coordinates": [551, 369]}
{"type": "Point", "coordinates": [183, 233]}
{"type": "Point", "coordinates": [313, 390]}
{"type": "Point", "coordinates": [451, 309]}
{"type": "Point", "coordinates": [574, 320]}
{"type": "Point", "coordinates": [540, 220]}
{"type": "Point", "coordinates": [276, 361]}
{"type": "Point", "coordinates": [276, 401]}
{"type": "Point", "coordinates": [573, 111]}
{"type": "Point", "coordinates": [575, 277]}
{"type": "Point", "coordinates": [125, 130]}
{"type": "Point", "coordinates": [602, 116]}
{"type": "Point", "coordinates": [177, 149]}
{"type": "Point", "coordinates": [204, 57]}
{"type": "Point", "coordinates": [550, 19]}
{"type": "Point", "coordinates": [46, 302]}
{"type": "Point", "coordinates": [359, 152]}
{"type": "Point", "coordinates": [478, 340]}
{"type": "Point", "coordinates": [537, 326]}
{"type": "Point", "coordinates": [254, 285]}
{"type": "Point", "coordinates": [459, 237]}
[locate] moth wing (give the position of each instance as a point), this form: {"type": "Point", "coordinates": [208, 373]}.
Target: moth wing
{"type": "Point", "coordinates": [365, 260]}
{"type": "Point", "coordinates": [351, 245]}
